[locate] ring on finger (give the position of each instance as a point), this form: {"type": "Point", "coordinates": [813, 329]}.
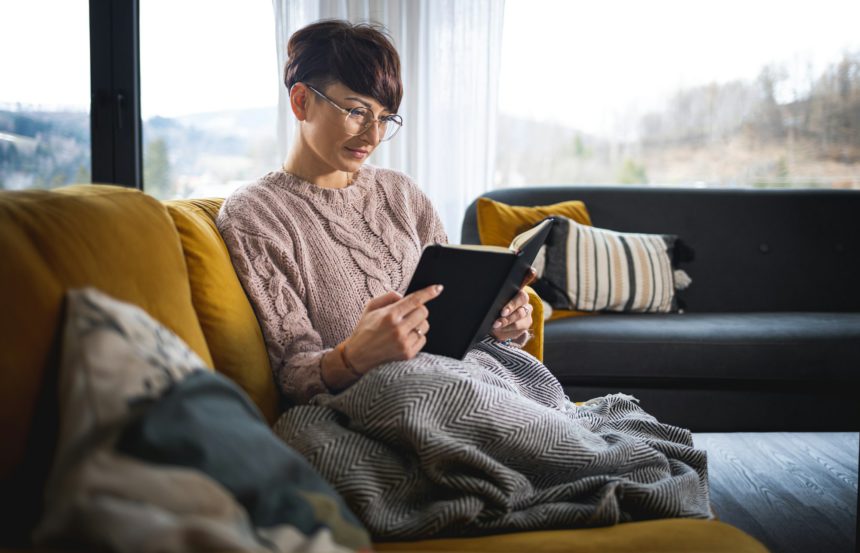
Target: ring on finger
{"type": "Point", "coordinates": [418, 331]}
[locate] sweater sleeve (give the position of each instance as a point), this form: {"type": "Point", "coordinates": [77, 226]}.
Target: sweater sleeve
{"type": "Point", "coordinates": [275, 287]}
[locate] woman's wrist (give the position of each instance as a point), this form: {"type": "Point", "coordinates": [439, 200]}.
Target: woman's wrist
{"type": "Point", "coordinates": [337, 371]}
{"type": "Point", "coordinates": [341, 349]}
{"type": "Point", "coordinates": [519, 341]}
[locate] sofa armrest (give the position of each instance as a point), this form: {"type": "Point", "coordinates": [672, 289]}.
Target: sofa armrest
{"type": "Point", "coordinates": [535, 345]}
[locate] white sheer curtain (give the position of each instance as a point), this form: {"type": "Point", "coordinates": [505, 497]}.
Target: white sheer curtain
{"type": "Point", "coordinates": [449, 51]}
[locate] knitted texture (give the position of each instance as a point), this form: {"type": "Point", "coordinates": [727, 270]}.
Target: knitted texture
{"type": "Point", "coordinates": [310, 258]}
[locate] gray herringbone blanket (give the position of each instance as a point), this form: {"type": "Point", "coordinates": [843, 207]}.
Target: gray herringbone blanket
{"type": "Point", "coordinates": [436, 446]}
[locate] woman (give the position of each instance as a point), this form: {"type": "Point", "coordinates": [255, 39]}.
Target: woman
{"type": "Point", "coordinates": [417, 444]}
{"type": "Point", "coordinates": [326, 246]}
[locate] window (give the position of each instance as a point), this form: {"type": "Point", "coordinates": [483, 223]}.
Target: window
{"type": "Point", "coordinates": [45, 95]}
{"type": "Point", "coordinates": [209, 95]}
{"type": "Point", "coordinates": [735, 93]}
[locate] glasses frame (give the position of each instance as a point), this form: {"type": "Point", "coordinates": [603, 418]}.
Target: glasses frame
{"type": "Point", "coordinates": [391, 118]}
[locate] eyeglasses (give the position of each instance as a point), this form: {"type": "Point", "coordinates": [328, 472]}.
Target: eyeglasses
{"type": "Point", "coordinates": [359, 119]}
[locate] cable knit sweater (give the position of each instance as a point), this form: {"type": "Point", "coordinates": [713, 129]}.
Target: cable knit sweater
{"type": "Point", "coordinates": [310, 258]}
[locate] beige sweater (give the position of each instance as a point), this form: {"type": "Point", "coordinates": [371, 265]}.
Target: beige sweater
{"type": "Point", "coordinates": [310, 258]}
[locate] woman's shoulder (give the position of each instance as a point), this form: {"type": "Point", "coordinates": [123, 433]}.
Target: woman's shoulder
{"type": "Point", "coordinates": [397, 183]}
{"type": "Point", "coordinates": [254, 193]}
{"type": "Point", "coordinates": [255, 205]}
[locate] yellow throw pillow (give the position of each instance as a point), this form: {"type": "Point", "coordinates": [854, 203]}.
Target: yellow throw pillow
{"type": "Point", "coordinates": [226, 315]}
{"type": "Point", "coordinates": [499, 223]}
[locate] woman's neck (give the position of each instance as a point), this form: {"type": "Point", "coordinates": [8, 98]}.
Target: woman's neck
{"type": "Point", "coordinates": [297, 165]}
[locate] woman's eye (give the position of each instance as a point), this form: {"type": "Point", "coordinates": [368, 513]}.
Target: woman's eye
{"type": "Point", "coordinates": [358, 113]}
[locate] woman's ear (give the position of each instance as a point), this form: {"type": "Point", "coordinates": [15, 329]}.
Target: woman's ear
{"type": "Point", "coordinates": [299, 101]}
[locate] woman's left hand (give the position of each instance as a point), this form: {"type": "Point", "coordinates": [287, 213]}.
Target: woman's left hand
{"type": "Point", "coordinates": [516, 316]}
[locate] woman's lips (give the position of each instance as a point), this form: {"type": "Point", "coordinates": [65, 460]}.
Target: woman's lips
{"type": "Point", "coordinates": [357, 154]}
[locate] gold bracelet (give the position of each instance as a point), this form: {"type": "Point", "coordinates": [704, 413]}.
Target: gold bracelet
{"type": "Point", "coordinates": [346, 363]}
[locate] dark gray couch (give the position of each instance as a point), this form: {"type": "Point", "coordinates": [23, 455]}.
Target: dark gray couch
{"type": "Point", "coordinates": [770, 336]}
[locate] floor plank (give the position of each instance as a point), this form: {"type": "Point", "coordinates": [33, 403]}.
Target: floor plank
{"type": "Point", "coordinates": [794, 491]}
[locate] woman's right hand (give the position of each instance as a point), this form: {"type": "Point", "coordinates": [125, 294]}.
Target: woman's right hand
{"type": "Point", "coordinates": [391, 328]}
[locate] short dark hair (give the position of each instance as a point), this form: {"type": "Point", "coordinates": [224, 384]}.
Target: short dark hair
{"type": "Point", "coordinates": [361, 56]}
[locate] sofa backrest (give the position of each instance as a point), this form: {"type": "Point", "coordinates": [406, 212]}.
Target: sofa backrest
{"type": "Point", "coordinates": [755, 249]}
{"type": "Point", "coordinates": [115, 239]}
{"type": "Point", "coordinates": [231, 328]}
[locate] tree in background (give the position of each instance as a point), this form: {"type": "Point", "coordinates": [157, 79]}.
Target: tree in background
{"type": "Point", "coordinates": [156, 170]}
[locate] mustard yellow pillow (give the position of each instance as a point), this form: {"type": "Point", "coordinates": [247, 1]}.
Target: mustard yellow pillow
{"type": "Point", "coordinates": [499, 223]}
{"type": "Point", "coordinates": [226, 316]}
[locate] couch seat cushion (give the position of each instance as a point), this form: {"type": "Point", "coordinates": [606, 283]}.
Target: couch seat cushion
{"type": "Point", "coordinates": [713, 346]}
{"type": "Point", "coordinates": [668, 535]}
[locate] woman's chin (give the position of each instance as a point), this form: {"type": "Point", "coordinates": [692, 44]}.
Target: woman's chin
{"type": "Point", "coordinates": [351, 165]}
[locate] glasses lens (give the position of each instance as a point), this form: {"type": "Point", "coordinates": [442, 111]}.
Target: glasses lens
{"type": "Point", "coordinates": [357, 120]}
{"type": "Point", "coordinates": [388, 129]}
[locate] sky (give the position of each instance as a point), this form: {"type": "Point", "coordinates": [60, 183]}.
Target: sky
{"type": "Point", "coordinates": [196, 55]}
{"type": "Point", "coordinates": [583, 64]}
{"type": "Point", "coordinates": [591, 63]}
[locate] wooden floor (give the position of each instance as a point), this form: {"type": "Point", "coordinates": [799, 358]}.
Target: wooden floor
{"type": "Point", "coordinates": [796, 492]}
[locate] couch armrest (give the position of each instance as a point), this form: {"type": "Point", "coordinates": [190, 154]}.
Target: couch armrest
{"type": "Point", "coordinates": [535, 345]}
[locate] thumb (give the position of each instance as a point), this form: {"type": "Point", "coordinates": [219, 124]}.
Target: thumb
{"type": "Point", "coordinates": [382, 300]}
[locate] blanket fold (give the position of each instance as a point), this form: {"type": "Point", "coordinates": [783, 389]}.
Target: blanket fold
{"type": "Point", "coordinates": [436, 446]}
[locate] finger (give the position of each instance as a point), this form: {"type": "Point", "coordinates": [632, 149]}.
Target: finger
{"type": "Point", "coordinates": [514, 330]}
{"type": "Point", "coordinates": [414, 318]}
{"type": "Point", "coordinates": [419, 333]}
{"type": "Point", "coordinates": [519, 313]}
{"type": "Point", "coordinates": [524, 323]}
{"type": "Point", "coordinates": [417, 344]}
{"type": "Point", "coordinates": [416, 298]}
{"type": "Point", "coordinates": [382, 300]}
{"type": "Point", "coordinates": [522, 312]}
{"type": "Point", "coordinates": [520, 299]}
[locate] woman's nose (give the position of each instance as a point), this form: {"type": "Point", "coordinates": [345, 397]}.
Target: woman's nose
{"type": "Point", "coordinates": [372, 134]}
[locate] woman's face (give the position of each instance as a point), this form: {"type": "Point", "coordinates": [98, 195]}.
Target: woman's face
{"type": "Point", "coordinates": [325, 130]}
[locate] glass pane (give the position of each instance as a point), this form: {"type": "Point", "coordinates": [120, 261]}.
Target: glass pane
{"type": "Point", "coordinates": [738, 93]}
{"type": "Point", "coordinates": [209, 95]}
{"type": "Point", "coordinates": [45, 93]}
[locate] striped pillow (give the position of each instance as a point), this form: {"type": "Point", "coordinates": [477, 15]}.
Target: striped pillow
{"type": "Point", "coordinates": [593, 269]}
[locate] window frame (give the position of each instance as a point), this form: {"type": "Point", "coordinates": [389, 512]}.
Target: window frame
{"type": "Point", "coordinates": [115, 119]}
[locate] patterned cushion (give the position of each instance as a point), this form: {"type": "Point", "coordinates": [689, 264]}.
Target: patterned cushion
{"type": "Point", "coordinates": [592, 269]}
{"type": "Point", "coordinates": [154, 446]}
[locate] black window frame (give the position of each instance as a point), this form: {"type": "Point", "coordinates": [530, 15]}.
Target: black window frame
{"type": "Point", "coordinates": [115, 121]}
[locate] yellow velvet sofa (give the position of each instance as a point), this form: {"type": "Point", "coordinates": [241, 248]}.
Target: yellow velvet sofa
{"type": "Point", "coordinates": [168, 258]}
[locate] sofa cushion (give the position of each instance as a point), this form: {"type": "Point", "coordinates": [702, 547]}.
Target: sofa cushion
{"type": "Point", "coordinates": [593, 269]}
{"type": "Point", "coordinates": [226, 315]}
{"type": "Point", "coordinates": [499, 223]}
{"type": "Point", "coordinates": [115, 238]}
{"type": "Point", "coordinates": [638, 348]}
